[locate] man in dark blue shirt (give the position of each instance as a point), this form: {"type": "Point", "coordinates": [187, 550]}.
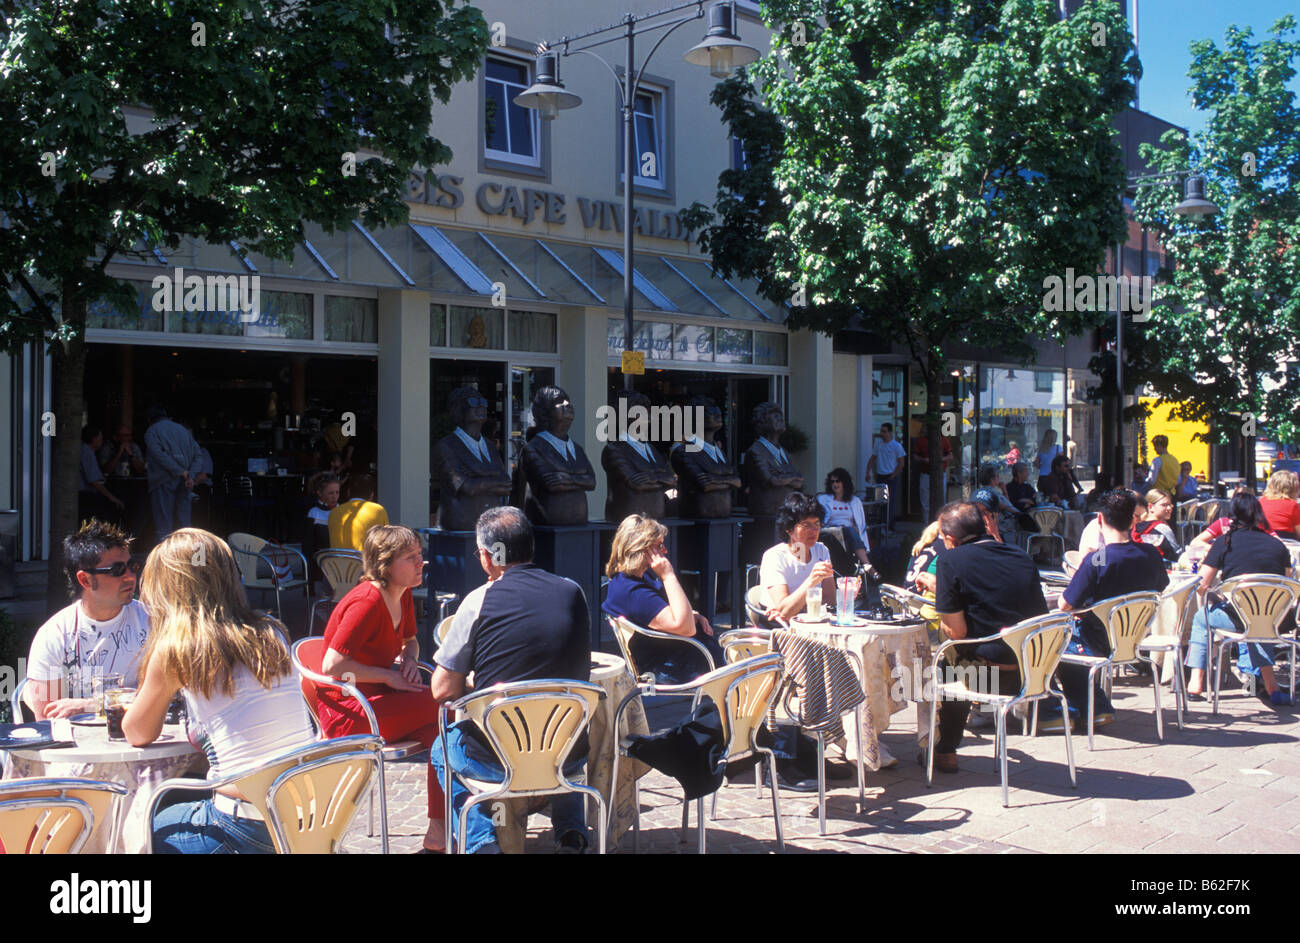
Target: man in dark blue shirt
{"type": "Point", "coordinates": [1119, 566]}
{"type": "Point", "coordinates": [524, 624]}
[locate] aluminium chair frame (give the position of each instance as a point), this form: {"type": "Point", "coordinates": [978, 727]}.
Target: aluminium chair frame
{"type": "Point", "coordinates": [503, 695]}
{"type": "Point", "coordinates": [329, 750]}
{"type": "Point", "coordinates": [1030, 629]}
{"type": "Point", "coordinates": [1109, 612]}
{"type": "Point", "coordinates": [394, 752]}
{"type": "Point", "coordinates": [1174, 644]}
{"type": "Point", "coordinates": [335, 596]}
{"type": "Point", "coordinates": [277, 585]}
{"type": "Point", "coordinates": [1219, 638]}
{"type": "Point", "coordinates": [624, 637]}
{"type": "Point", "coordinates": [1057, 516]}
{"type": "Point", "coordinates": [62, 785]}
{"type": "Point", "coordinates": [744, 671]}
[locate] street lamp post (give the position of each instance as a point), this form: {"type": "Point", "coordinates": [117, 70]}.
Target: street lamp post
{"type": "Point", "coordinates": [1194, 204]}
{"type": "Point", "coordinates": [721, 50]}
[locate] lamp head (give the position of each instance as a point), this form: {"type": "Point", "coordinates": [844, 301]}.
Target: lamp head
{"type": "Point", "coordinates": [721, 49]}
{"type": "Point", "coordinates": [547, 93]}
{"type": "Point", "coordinates": [1194, 201]}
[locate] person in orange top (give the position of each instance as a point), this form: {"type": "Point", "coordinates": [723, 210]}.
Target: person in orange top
{"type": "Point", "coordinates": [370, 641]}
{"type": "Point", "coordinates": [350, 521]}
{"type": "Point", "coordinates": [1279, 503]}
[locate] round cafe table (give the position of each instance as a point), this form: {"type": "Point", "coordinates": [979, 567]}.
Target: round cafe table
{"type": "Point", "coordinates": [140, 769]}
{"type": "Point", "coordinates": [894, 656]}
{"type": "Point", "coordinates": [610, 672]}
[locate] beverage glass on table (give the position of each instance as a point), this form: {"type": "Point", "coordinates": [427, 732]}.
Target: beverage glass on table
{"type": "Point", "coordinates": [813, 599]}
{"type": "Point", "coordinates": [846, 592]}
{"type": "Point", "coordinates": [116, 701]}
{"type": "Point", "coordinates": [99, 684]}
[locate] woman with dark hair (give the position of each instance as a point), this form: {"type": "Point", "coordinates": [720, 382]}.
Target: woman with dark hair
{"type": "Point", "coordinates": [1246, 548]}
{"type": "Point", "coordinates": [844, 509]}
{"type": "Point", "coordinates": [799, 561]}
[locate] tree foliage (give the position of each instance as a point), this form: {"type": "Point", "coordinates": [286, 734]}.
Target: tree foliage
{"type": "Point", "coordinates": [931, 163]}
{"type": "Point", "coordinates": [1224, 337]}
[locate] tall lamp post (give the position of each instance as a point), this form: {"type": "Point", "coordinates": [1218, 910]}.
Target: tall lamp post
{"type": "Point", "coordinates": [721, 50]}
{"type": "Point", "coordinates": [1194, 204]}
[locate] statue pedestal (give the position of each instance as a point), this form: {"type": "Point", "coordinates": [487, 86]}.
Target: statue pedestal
{"type": "Point", "coordinates": [453, 568]}
{"type": "Point", "coordinates": [573, 551]}
{"type": "Point", "coordinates": [712, 548]}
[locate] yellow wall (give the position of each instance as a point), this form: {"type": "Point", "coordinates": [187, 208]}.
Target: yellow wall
{"type": "Point", "coordinates": [1181, 444]}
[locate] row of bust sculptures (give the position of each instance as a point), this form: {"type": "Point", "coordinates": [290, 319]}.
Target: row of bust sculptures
{"type": "Point", "coordinates": [553, 475]}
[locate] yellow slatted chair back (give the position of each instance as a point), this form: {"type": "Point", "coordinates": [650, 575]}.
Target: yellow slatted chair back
{"type": "Point", "coordinates": [1172, 615]}
{"type": "Point", "coordinates": [1038, 644]}
{"type": "Point", "coordinates": [743, 692]}
{"type": "Point", "coordinates": [51, 825]}
{"type": "Point", "coordinates": [444, 626]}
{"type": "Point", "coordinates": [1047, 519]}
{"type": "Point", "coordinates": [101, 799]}
{"type": "Point", "coordinates": [1128, 620]}
{"type": "Point", "coordinates": [248, 559]}
{"type": "Point", "coordinates": [312, 805]}
{"type": "Point", "coordinates": [1261, 601]}
{"type": "Point", "coordinates": [342, 571]}
{"type": "Point", "coordinates": [738, 646]}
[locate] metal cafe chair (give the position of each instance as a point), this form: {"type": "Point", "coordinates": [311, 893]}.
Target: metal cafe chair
{"type": "Point", "coordinates": [1037, 644]}
{"type": "Point", "coordinates": [1128, 620]}
{"type": "Point", "coordinates": [625, 630]}
{"type": "Point", "coordinates": [1183, 520]}
{"type": "Point", "coordinates": [342, 569]}
{"type": "Point", "coordinates": [56, 816]}
{"type": "Point", "coordinates": [308, 796]}
{"type": "Point", "coordinates": [1261, 602]}
{"type": "Point", "coordinates": [1047, 519]}
{"type": "Point", "coordinates": [1169, 630]}
{"type": "Point", "coordinates": [307, 655]}
{"type": "Point", "coordinates": [250, 551]}
{"type": "Point", "coordinates": [743, 692]}
{"type": "Point", "coordinates": [532, 726]}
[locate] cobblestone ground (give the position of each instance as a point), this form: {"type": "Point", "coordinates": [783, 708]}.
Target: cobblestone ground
{"type": "Point", "coordinates": [1226, 783]}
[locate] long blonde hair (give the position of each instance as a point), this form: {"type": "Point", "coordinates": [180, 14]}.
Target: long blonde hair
{"type": "Point", "coordinates": [201, 625]}
{"type": "Point", "coordinates": [635, 537]}
{"type": "Point", "coordinates": [1282, 484]}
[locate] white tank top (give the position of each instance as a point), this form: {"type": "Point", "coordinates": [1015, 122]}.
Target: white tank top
{"type": "Point", "coordinates": [255, 725]}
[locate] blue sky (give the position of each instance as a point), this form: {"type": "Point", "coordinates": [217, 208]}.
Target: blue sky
{"type": "Point", "coordinates": [1167, 27]}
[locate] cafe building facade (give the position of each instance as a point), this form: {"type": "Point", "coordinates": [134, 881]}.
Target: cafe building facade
{"type": "Point", "coordinates": [507, 277]}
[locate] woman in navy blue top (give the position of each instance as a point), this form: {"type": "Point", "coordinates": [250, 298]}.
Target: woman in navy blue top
{"type": "Point", "coordinates": [644, 589]}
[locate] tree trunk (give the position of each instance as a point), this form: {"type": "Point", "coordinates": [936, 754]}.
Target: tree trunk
{"type": "Point", "coordinates": [69, 383]}
{"type": "Point", "coordinates": [938, 477]}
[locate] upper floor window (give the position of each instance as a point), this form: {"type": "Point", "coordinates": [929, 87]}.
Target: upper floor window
{"type": "Point", "coordinates": [739, 159]}
{"type": "Point", "coordinates": [511, 133]}
{"type": "Point", "coordinates": [650, 160]}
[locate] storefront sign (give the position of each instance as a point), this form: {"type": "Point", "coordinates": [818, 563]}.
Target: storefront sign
{"type": "Point", "coordinates": [530, 204]}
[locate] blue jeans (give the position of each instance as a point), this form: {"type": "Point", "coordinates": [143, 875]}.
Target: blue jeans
{"type": "Point", "coordinates": [171, 507]}
{"type": "Point", "coordinates": [1089, 639]}
{"type": "Point", "coordinates": [198, 828]}
{"type": "Point", "coordinates": [568, 810]}
{"type": "Point", "coordinates": [1250, 658]}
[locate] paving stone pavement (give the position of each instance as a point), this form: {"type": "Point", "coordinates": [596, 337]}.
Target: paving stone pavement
{"type": "Point", "coordinates": [1225, 784]}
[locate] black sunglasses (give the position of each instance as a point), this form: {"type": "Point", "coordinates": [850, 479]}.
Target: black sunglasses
{"type": "Point", "coordinates": [476, 401]}
{"type": "Point", "coordinates": [118, 569]}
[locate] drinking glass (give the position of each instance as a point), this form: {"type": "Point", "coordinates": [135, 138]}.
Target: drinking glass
{"type": "Point", "coordinates": [100, 682]}
{"type": "Point", "coordinates": [813, 599]}
{"type": "Point", "coordinates": [116, 701]}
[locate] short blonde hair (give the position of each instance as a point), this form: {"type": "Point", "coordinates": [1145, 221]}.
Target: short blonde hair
{"type": "Point", "coordinates": [928, 536]}
{"type": "Point", "coordinates": [1282, 484]}
{"type": "Point", "coordinates": [383, 545]}
{"type": "Point", "coordinates": [635, 537]}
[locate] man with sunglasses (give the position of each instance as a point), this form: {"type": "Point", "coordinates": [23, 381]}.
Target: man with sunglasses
{"type": "Point", "coordinates": [103, 632]}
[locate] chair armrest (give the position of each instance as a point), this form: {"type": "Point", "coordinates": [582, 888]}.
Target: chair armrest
{"type": "Point", "coordinates": [348, 688]}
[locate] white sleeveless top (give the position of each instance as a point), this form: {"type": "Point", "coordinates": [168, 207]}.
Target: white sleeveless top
{"type": "Point", "coordinates": [255, 725]}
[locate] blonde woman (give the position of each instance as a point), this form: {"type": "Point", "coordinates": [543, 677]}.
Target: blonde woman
{"type": "Point", "coordinates": [1279, 504]}
{"type": "Point", "coordinates": [644, 589]}
{"type": "Point", "coordinates": [921, 572]}
{"type": "Point", "coordinates": [232, 665]}
{"type": "Point", "coordinates": [371, 639]}
{"type": "Point", "coordinates": [1152, 525]}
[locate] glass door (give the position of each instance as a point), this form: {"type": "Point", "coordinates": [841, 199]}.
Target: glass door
{"type": "Point", "coordinates": [524, 384]}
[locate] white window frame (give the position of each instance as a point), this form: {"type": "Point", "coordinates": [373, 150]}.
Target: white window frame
{"type": "Point", "coordinates": [534, 116]}
{"type": "Point", "coordinates": [658, 102]}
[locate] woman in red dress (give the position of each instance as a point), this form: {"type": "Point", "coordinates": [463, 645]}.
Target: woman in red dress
{"type": "Point", "coordinates": [370, 641]}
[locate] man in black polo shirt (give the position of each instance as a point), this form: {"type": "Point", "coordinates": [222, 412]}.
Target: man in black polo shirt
{"type": "Point", "coordinates": [523, 624]}
{"type": "Point", "coordinates": [983, 587]}
{"type": "Point", "coordinates": [1117, 567]}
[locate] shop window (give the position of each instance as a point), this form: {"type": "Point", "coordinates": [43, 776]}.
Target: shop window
{"type": "Point", "coordinates": [283, 314]}
{"type": "Point", "coordinates": [510, 132]}
{"type": "Point", "coordinates": [437, 325]}
{"type": "Point", "coordinates": [1042, 381]}
{"type": "Point", "coordinates": [770, 348]}
{"type": "Point", "coordinates": [140, 316]}
{"type": "Point", "coordinates": [692, 342]}
{"type": "Point", "coordinates": [734, 346]}
{"type": "Point", "coordinates": [351, 320]}
{"type": "Point", "coordinates": [532, 331]}
{"type": "Point", "coordinates": [477, 328]}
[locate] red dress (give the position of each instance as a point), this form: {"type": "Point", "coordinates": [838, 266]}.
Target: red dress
{"type": "Point", "coordinates": [361, 628]}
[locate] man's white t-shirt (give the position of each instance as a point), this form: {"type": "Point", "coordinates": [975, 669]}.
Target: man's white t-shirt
{"type": "Point", "coordinates": [887, 456]}
{"type": "Point", "coordinates": [1091, 538]}
{"type": "Point", "coordinates": [71, 644]}
{"type": "Point", "coordinates": [780, 565]}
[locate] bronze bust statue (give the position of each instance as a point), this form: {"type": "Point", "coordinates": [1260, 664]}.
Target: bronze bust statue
{"type": "Point", "coordinates": [635, 474]}
{"type": "Point", "coordinates": [470, 471]}
{"type": "Point", "coordinates": [769, 475]}
{"type": "Point", "coordinates": [553, 475]}
{"type": "Point", "coordinates": [704, 477]}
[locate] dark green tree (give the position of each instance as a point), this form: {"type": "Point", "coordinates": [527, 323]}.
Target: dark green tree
{"type": "Point", "coordinates": [132, 124]}
{"type": "Point", "coordinates": [1223, 340]}
{"type": "Point", "coordinates": [927, 166]}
